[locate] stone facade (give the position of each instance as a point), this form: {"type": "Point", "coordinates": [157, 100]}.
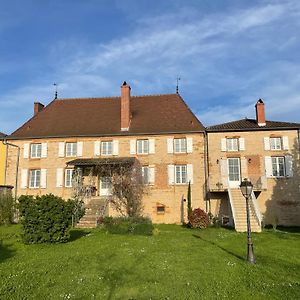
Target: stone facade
{"type": "Point", "coordinates": [159, 193]}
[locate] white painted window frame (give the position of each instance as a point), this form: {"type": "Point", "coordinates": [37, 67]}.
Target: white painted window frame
{"type": "Point", "coordinates": [71, 149]}
{"type": "Point", "coordinates": [36, 150]}
{"type": "Point", "coordinates": [34, 174]}
{"type": "Point", "coordinates": [142, 146]}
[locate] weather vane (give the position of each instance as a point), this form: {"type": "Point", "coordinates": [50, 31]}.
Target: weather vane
{"type": "Point", "coordinates": [177, 85]}
{"type": "Point", "coordinates": [55, 84]}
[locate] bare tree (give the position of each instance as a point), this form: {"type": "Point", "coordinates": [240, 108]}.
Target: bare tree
{"type": "Point", "coordinates": [127, 190]}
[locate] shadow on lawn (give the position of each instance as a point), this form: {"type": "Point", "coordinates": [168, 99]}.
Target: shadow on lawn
{"type": "Point", "coordinates": [76, 234]}
{"type": "Point", "coordinates": [5, 252]}
{"type": "Point", "coordinates": [220, 247]}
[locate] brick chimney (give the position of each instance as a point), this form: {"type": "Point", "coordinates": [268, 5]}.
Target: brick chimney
{"type": "Point", "coordinates": [260, 113]}
{"type": "Point", "coordinates": [38, 107]}
{"type": "Point", "coordinates": [125, 106]}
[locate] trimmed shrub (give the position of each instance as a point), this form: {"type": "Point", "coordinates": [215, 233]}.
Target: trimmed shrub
{"type": "Point", "coordinates": [46, 218]}
{"type": "Point", "coordinates": [198, 218]}
{"type": "Point", "coordinates": [128, 225]}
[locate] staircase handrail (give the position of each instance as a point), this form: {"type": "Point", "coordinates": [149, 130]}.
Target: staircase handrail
{"type": "Point", "coordinates": [256, 209]}
{"type": "Point", "coordinates": [231, 202]}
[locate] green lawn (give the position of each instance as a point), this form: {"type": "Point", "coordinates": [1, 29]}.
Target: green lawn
{"type": "Point", "coordinates": [178, 263]}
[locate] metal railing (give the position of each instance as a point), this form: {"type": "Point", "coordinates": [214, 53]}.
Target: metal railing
{"type": "Point", "coordinates": [256, 208]}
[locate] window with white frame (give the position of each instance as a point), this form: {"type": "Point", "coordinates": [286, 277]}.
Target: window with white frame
{"type": "Point", "coordinates": [278, 166]}
{"type": "Point", "coordinates": [35, 150]}
{"type": "Point", "coordinates": [68, 177]}
{"type": "Point", "coordinates": [180, 174]}
{"type": "Point", "coordinates": [275, 143]}
{"type": "Point", "coordinates": [142, 146]}
{"type": "Point", "coordinates": [71, 149]}
{"type": "Point", "coordinates": [146, 174]}
{"type": "Point", "coordinates": [35, 178]}
{"type": "Point", "coordinates": [232, 144]}
{"type": "Point", "coordinates": [180, 145]}
{"type": "Point", "coordinates": [107, 148]}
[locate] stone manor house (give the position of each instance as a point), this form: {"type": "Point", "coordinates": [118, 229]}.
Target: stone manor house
{"type": "Point", "coordinates": [173, 148]}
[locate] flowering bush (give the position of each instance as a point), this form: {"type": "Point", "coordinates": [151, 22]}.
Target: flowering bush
{"type": "Point", "coordinates": [198, 218]}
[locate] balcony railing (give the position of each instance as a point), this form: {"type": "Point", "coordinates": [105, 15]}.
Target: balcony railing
{"type": "Point", "coordinates": [221, 183]}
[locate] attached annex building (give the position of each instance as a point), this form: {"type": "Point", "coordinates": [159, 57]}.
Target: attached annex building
{"type": "Point", "coordinates": [160, 131]}
{"type": "Point", "coordinates": [266, 152]}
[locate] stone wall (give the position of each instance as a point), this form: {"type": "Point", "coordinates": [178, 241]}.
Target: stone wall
{"type": "Point", "coordinates": [160, 193]}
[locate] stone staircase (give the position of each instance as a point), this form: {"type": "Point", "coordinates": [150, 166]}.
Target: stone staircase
{"type": "Point", "coordinates": [92, 209]}
{"type": "Point", "coordinates": [240, 221]}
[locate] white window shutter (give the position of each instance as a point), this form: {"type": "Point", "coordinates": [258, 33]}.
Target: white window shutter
{"type": "Point", "coordinates": [24, 181]}
{"type": "Point", "coordinates": [132, 146]}
{"type": "Point", "coordinates": [190, 173]}
{"type": "Point", "coordinates": [285, 143]}
{"type": "Point", "coordinates": [26, 151]}
{"type": "Point", "coordinates": [44, 150]}
{"type": "Point", "coordinates": [171, 170]}
{"type": "Point", "coordinates": [267, 143]}
{"type": "Point", "coordinates": [151, 175]}
{"type": "Point", "coordinates": [170, 145]}
{"type": "Point", "coordinates": [115, 147]}
{"type": "Point", "coordinates": [43, 178]}
{"type": "Point", "coordinates": [242, 144]}
{"type": "Point", "coordinates": [289, 165]}
{"type": "Point", "coordinates": [97, 148]}
{"type": "Point", "coordinates": [268, 166]}
{"type": "Point", "coordinates": [61, 149]}
{"type": "Point", "coordinates": [151, 146]}
{"type": "Point", "coordinates": [244, 168]}
{"type": "Point", "coordinates": [224, 172]}
{"type": "Point", "coordinates": [59, 177]}
{"type": "Point", "coordinates": [189, 145]}
{"type": "Point", "coordinates": [79, 148]}
{"type": "Point", "coordinates": [223, 144]}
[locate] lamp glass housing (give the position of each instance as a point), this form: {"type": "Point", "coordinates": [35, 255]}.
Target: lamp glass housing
{"type": "Point", "coordinates": [246, 187]}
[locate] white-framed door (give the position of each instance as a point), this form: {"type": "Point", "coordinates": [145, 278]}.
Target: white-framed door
{"type": "Point", "coordinates": [105, 186]}
{"type": "Point", "coordinates": [234, 172]}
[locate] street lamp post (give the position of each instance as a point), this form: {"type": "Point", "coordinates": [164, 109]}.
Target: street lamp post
{"type": "Point", "coordinates": [246, 189]}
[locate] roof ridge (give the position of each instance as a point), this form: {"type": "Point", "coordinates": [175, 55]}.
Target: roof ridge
{"type": "Point", "coordinates": [113, 97]}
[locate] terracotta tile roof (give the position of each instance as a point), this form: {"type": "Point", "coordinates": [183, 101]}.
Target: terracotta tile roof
{"type": "Point", "coordinates": [2, 134]}
{"type": "Point", "coordinates": [153, 114]}
{"type": "Point", "coordinates": [251, 124]}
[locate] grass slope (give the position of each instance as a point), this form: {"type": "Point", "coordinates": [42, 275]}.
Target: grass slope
{"type": "Point", "coordinates": [177, 264]}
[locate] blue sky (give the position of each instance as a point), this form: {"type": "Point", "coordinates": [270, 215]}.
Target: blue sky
{"type": "Point", "coordinates": [227, 53]}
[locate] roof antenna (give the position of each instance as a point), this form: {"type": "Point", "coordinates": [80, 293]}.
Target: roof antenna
{"type": "Point", "coordinates": [55, 84]}
{"type": "Point", "coordinates": [177, 85]}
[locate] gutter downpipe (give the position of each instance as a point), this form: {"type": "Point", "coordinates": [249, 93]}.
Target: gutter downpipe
{"type": "Point", "coordinates": [206, 171]}
{"type": "Point", "coordinates": [17, 165]}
